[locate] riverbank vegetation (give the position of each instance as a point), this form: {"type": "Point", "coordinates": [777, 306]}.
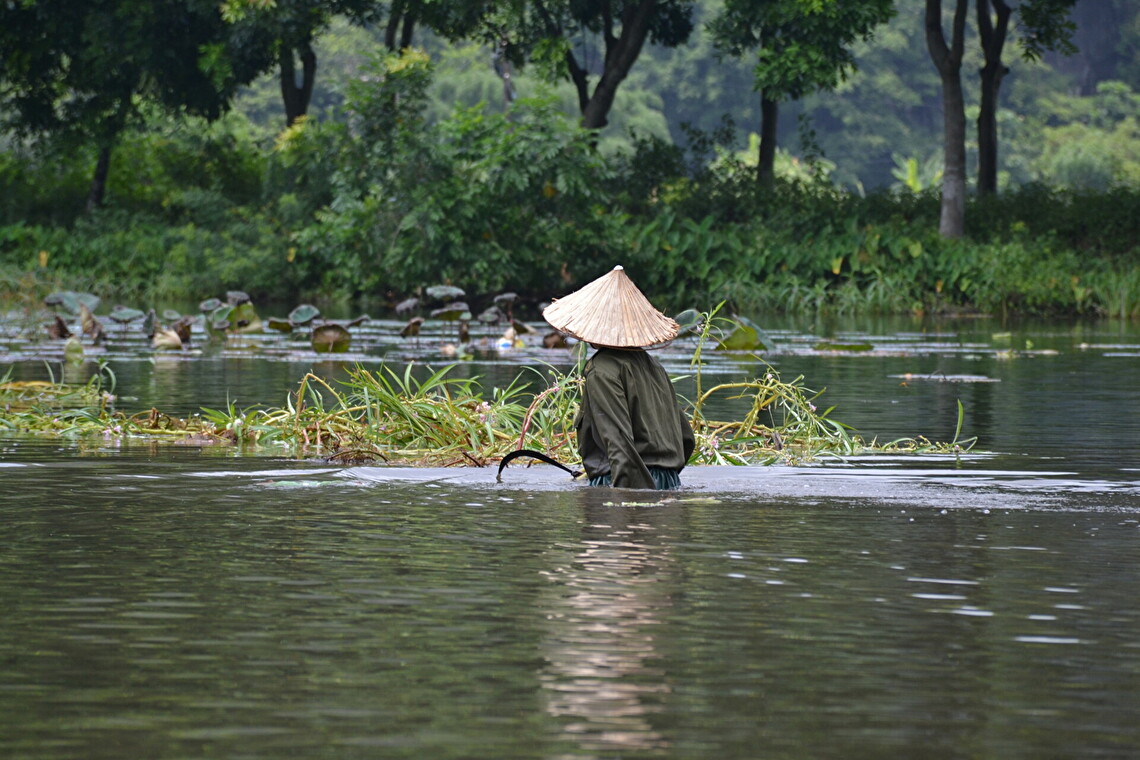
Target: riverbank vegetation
{"type": "Point", "coordinates": [523, 202]}
{"type": "Point", "coordinates": [399, 185]}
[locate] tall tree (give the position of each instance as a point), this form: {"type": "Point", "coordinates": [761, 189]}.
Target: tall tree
{"type": "Point", "coordinates": [1045, 25]}
{"type": "Point", "coordinates": [79, 70]}
{"type": "Point", "coordinates": [947, 57]}
{"type": "Point", "coordinates": [401, 26]}
{"type": "Point", "coordinates": [281, 34]}
{"type": "Point", "coordinates": [557, 35]}
{"type": "Point", "coordinates": [993, 26]}
{"type": "Point", "coordinates": [801, 48]}
{"type": "Point", "coordinates": [284, 31]}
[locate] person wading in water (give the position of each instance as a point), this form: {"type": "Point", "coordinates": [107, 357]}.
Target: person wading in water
{"type": "Point", "coordinates": [631, 430]}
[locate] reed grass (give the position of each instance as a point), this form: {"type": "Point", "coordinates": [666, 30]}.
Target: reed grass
{"type": "Point", "coordinates": [389, 415]}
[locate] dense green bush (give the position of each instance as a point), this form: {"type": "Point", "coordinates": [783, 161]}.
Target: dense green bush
{"type": "Point", "coordinates": [486, 200]}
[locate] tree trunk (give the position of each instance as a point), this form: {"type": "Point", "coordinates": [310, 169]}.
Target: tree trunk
{"type": "Point", "coordinates": [296, 96]}
{"type": "Point", "coordinates": [98, 189]}
{"type": "Point", "coordinates": [402, 18]}
{"type": "Point", "coordinates": [993, 36]}
{"type": "Point", "coordinates": [393, 28]}
{"type": "Point", "coordinates": [766, 166]}
{"type": "Point", "coordinates": [621, 53]}
{"type": "Point", "coordinates": [408, 30]}
{"type": "Point", "coordinates": [948, 60]}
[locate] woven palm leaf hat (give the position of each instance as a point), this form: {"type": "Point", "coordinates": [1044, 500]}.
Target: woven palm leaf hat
{"type": "Point", "coordinates": [611, 312]}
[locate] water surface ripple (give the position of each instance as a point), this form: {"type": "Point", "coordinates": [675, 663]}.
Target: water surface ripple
{"type": "Point", "coordinates": [170, 603]}
{"type": "Point", "coordinates": [175, 607]}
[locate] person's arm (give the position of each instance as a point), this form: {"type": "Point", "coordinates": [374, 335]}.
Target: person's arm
{"type": "Point", "coordinates": [688, 441]}
{"type": "Point", "coordinates": [610, 408]}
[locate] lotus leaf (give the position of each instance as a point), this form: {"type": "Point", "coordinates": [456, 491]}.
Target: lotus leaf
{"type": "Point", "coordinates": [70, 301]}
{"type": "Point", "coordinates": [167, 340]}
{"type": "Point", "coordinates": [744, 336]}
{"type": "Point", "coordinates": [853, 347]}
{"type": "Point", "coordinates": [304, 314]}
{"type": "Point", "coordinates": [171, 315]}
{"type": "Point", "coordinates": [444, 292]}
{"type": "Point", "coordinates": [237, 297]}
{"type": "Point", "coordinates": [73, 350]}
{"type": "Point", "coordinates": [278, 324]}
{"type": "Point", "coordinates": [57, 329]}
{"type": "Point", "coordinates": [412, 329]}
{"type": "Point", "coordinates": [218, 321]}
{"type": "Point", "coordinates": [330, 338]}
{"type": "Point", "coordinates": [209, 305]}
{"type": "Point", "coordinates": [452, 311]}
{"type": "Point", "coordinates": [91, 326]}
{"type": "Point", "coordinates": [492, 315]}
{"type": "Point", "coordinates": [123, 315]}
{"type": "Point", "coordinates": [403, 307]}
{"type": "Point", "coordinates": [689, 321]}
{"type": "Point", "coordinates": [244, 318]}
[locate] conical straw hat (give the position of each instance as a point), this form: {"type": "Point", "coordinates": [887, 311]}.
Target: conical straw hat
{"type": "Point", "coordinates": [611, 312]}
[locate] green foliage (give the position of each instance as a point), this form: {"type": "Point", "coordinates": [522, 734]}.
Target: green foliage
{"type": "Point", "coordinates": [133, 256]}
{"type": "Point", "coordinates": [1031, 252]}
{"type": "Point", "coordinates": [506, 200]}
{"type": "Point", "coordinates": [42, 187]}
{"type": "Point", "coordinates": [394, 192]}
{"type": "Point", "coordinates": [912, 176]}
{"type": "Point", "coordinates": [174, 164]}
{"type": "Point", "coordinates": [1099, 147]}
{"type": "Point", "coordinates": [800, 47]}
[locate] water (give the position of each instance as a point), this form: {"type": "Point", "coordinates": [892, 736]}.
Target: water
{"type": "Point", "coordinates": [165, 602]}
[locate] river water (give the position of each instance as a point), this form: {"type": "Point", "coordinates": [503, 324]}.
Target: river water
{"type": "Point", "coordinates": [169, 602]}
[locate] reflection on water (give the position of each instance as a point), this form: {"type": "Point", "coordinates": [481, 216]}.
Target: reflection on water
{"type": "Point", "coordinates": [603, 611]}
{"type": "Point", "coordinates": [172, 606]}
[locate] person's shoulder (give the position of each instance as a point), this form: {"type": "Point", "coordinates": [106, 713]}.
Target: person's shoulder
{"type": "Point", "coordinates": [616, 357]}
{"type": "Point", "coordinates": [605, 360]}
{"type": "Point", "coordinates": [612, 362]}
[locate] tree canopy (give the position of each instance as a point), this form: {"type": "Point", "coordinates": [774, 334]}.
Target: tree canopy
{"type": "Point", "coordinates": [800, 48]}
{"type": "Point", "coordinates": [82, 71]}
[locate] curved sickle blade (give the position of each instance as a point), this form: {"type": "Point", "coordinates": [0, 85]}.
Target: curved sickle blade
{"type": "Point", "coordinates": [533, 455]}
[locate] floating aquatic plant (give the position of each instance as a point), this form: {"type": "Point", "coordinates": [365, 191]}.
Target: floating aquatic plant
{"type": "Point", "coordinates": [390, 415]}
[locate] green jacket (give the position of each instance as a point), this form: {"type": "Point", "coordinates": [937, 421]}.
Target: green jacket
{"type": "Point", "coordinates": [630, 419]}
